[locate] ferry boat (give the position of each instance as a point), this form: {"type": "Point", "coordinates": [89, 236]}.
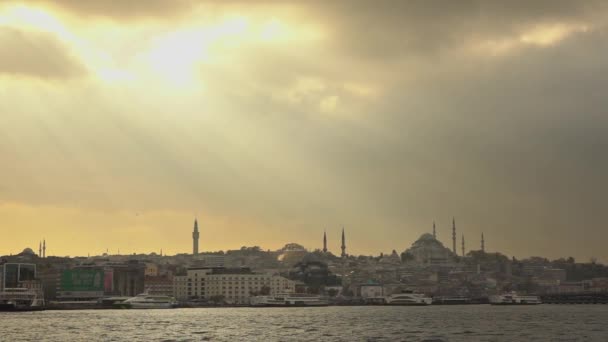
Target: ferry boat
{"type": "Point", "coordinates": [148, 301]}
{"type": "Point", "coordinates": [514, 299]}
{"type": "Point", "coordinates": [456, 300]}
{"type": "Point", "coordinates": [21, 299]}
{"type": "Point", "coordinates": [408, 298]}
{"type": "Point", "coordinates": [289, 299]}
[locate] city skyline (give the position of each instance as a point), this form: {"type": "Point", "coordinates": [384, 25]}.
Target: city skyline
{"type": "Point", "coordinates": [195, 235]}
{"type": "Point", "coordinates": [271, 121]}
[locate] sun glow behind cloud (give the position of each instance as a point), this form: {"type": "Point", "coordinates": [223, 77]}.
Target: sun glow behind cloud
{"type": "Point", "coordinates": [167, 55]}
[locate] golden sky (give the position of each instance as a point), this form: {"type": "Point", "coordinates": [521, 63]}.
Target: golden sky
{"type": "Point", "coordinates": [270, 121]}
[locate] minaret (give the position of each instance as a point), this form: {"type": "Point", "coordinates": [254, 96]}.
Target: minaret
{"type": "Point", "coordinates": [454, 235]}
{"type": "Point", "coordinates": [40, 249]}
{"type": "Point", "coordinates": [483, 244]}
{"type": "Point", "coordinates": [434, 231]}
{"type": "Point", "coordinates": [343, 244]}
{"type": "Point", "coordinates": [161, 252]}
{"type": "Point", "coordinates": [463, 245]}
{"type": "Point", "coordinates": [324, 242]}
{"type": "Point", "coordinates": [195, 238]}
{"type": "Point", "coordinates": [44, 248]}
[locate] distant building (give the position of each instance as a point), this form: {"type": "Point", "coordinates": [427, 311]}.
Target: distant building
{"type": "Point", "coordinates": [151, 270]}
{"type": "Point", "coordinates": [427, 250]}
{"type": "Point", "coordinates": [159, 285]}
{"type": "Point", "coordinates": [234, 286]}
{"type": "Point", "coordinates": [212, 260]}
{"type": "Point", "coordinates": [128, 278]}
{"type": "Point", "coordinates": [16, 275]}
{"type": "Point", "coordinates": [81, 283]}
{"type": "Point", "coordinates": [371, 292]}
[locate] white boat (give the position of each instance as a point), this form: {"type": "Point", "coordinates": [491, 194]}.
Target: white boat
{"type": "Point", "coordinates": [147, 301]}
{"type": "Point", "coordinates": [289, 299]}
{"type": "Point", "coordinates": [21, 299]}
{"type": "Point", "coordinates": [513, 298]}
{"type": "Point", "coordinates": [408, 298]}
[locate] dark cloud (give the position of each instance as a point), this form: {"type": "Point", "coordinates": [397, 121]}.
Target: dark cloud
{"type": "Point", "coordinates": [36, 54]}
{"type": "Point", "coordinates": [389, 29]}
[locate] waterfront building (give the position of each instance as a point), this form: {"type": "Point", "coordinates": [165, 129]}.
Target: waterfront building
{"type": "Point", "coordinates": [159, 285]}
{"type": "Point", "coordinates": [195, 236]}
{"type": "Point", "coordinates": [16, 275]}
{"type": "Point", "coordinates": [81, 283]}
{"type": "Point", "coordinates": [128, 278]}
{"type": "Point", "coordinates": [371, 292]}
{"type": "Point", "coordinates": [232, 285]}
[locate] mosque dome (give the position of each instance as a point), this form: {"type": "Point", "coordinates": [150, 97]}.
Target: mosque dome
{"type": "Point", "coordinates": [427, 249]}
{"type": "Point", "coordinates": [293, 247]}
{"type": "Point", "coordinates": [292, 253]}
{"type": "Point", "coordinates": [28, 251]}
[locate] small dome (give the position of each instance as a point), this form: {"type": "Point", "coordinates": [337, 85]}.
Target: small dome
{"type": "Point", "coordinates": [28, 251]}
{"type": "Point", "coordinates": [293, 247]}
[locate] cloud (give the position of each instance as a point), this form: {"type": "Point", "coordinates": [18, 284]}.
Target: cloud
{"type": "Point", "coordinates": [490, 111]}
{"type": "Point", "coordinates": [36, 54]}
{"type": "Point", "coordinates": [389, 30]}
{"type": "Point", "coordinates": [121, 10]}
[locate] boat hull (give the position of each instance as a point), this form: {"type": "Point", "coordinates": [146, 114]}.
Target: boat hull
{"type": "Point", "coordinates": [145, 306]}
{"type": "Point", "coordinates": [13, 308]}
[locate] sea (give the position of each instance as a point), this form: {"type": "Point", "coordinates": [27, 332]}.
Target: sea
{"type": "Point", "coordinates": [347, 323]}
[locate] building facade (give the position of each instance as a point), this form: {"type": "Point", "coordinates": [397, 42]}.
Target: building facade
{"type": "Point", "coordinates": [234, 286]}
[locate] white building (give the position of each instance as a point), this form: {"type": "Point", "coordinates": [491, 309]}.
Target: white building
{"type": "Point", "coordinates": [235, 286]}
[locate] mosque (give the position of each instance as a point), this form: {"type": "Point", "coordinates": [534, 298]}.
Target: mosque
{"type": "Point", "coordinates": [430, 251]}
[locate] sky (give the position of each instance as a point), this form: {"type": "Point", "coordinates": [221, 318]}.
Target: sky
{"type": "Point", "coordinates": [272, 121]}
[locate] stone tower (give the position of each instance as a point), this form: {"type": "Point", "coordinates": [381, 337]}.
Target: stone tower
{"type": "Point", "coordinates": [195, 236]}
{"type": "Point", "coordinates": [454, 235]}
{"type": "Point", "coordinates": [324, 242]}
{"type": "Point", "coordinates": [463, 253]}
{"type": "Point", "coordinates": [343, 244]}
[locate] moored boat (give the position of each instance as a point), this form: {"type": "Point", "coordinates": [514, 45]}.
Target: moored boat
{"type": "Point", "coordinates": [513, 298]}
{"type": "Point", "coordinates": [21, 299]}
{"type": "Point", "coordinates": [288, 299]}
{"type": "Point", "coordinates": [147, 301]}
{"type": "Point", "coordinates": [408, 298]}
{"type": "Point", "coordinates": [456, 300]}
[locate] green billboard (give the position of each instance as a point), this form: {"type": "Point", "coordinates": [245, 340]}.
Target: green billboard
{"type": "Point", "coordinates": [82, 280]}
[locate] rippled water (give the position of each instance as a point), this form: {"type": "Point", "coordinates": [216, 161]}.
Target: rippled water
{"type": "Point", "coordinates": [377, 323]}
